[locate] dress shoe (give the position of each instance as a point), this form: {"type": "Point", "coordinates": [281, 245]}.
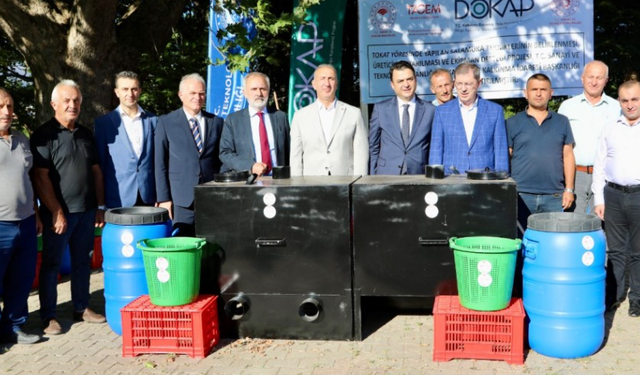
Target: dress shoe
{"type": "Point", "coordinates": [88, 316]}
{"type": "Point", "coordinates": [634, 309]}
{"type": "Point", "coordinates": [53, 328]}
{"type": "Point", "coordinates": [20, 337]}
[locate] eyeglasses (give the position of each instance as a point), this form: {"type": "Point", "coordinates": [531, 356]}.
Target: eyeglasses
{"type": "Point", "coordinates": [466, 85]}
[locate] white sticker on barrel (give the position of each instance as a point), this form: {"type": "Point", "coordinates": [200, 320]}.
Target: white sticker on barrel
{"type": "Point", "coordinates": [163, 276]}
{"type": "Point", "coordinates": [484, 279]}
{"type": "Point", "coordinates": [127, 251]}
{"type": "Point", "coordinates": [269, 212]}
{"type": "Point", "coordinates": [162, 263]}
{"type": "Point", "coordinates": [431, 198]}
{"type": "Point", "coordinates": [269, 199]}
{"type": "Point", "coordinates": [431, 211]}
{"type": "Point", "coordinates": [484, 266]}
{"type": "Point", "coordinates": [588, 258]}
{"type": "Point", "coordinates": [588, 242]}
{"type": "Point", "coordinates": [126, 238]}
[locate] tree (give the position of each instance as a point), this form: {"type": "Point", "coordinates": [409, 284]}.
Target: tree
{"type": "Point", "coordinates": [87, 41]}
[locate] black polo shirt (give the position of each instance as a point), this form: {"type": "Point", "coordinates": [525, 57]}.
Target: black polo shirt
{"type": "Point", "coordinates": [69, 155]}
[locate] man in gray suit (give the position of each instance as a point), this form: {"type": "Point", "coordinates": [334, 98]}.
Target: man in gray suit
{"type": "Point", "coordinates": [328, 137]}
{"type": "Point", "coordinates": [400, 127]}
{"type": "Point", "coordinates": [250, 140]}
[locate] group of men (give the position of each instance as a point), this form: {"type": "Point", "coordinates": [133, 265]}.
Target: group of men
{"type": "Point", "coordinates": [135, 158]}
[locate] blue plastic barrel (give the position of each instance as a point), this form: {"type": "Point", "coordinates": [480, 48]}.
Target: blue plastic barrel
{"type": "Point", "coordinates": [564, 283]}
{"type": "Point", "coordinates": [124, 277]}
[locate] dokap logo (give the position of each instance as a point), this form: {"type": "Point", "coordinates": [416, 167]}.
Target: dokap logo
{"type": "Point", "coordinates": [565, 8]}
{"type": "Point", "coordinates": [491, 8]}
{"type": "Point", "coordinates": [383, 15]}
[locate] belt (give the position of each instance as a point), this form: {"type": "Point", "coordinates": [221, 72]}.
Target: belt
{"type": "Point", "coordinates": [588, 169]}
{"type": "Point", "coordinates": [625, 189]}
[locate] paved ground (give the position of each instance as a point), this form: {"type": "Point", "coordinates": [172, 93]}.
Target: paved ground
{"type": "Point", "coordinates": [402, 344]}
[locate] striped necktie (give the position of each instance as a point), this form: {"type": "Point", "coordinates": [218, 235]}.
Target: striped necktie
{"type": "Point", "coordinates": [195, 130]}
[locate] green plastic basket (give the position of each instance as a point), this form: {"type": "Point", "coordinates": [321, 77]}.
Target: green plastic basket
{"type": "Point", "coordinates": [172, 269]}
{"type": "Point", "coordinates": [485, 268]}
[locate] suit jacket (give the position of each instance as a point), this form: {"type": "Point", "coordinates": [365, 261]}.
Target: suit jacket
{"type": "Point", "coordinates": [345, 153]}
{"type": "Point", "coordinates": [237, 150]}
{"type": "Point", "coordinates": [124, 173]}
{"type": "Point", "coordinates": [387, 149]}
{"type": "Point", "coordinates": [179, 166]}
{"type": "Point", "coordinates": [488, 142]}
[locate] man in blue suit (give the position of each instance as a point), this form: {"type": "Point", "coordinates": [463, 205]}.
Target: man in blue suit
{"type": "Point", "coordinates": [400, 127]}
{"type": "Point", "coordinates": [469, 132]}
{"type": "Point", "coordinates": [246, 131]}
{"type": "Point", "coordinates": [187, 149]}
{"type": "Point", "coordinates": [124, 139]}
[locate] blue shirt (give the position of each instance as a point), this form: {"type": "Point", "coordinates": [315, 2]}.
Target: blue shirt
{"type": "Point", "coordinates": [537, 163]}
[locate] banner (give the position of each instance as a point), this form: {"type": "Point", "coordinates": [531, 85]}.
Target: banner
{"type": "Point", "coordinates": [510, 40]}
{"type": "Point", "coordinates": [224, 88]}
{"type": "Point", "coordinates": [317, 41]}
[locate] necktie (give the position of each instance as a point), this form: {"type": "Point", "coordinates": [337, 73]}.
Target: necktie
{"type": "Point", "coordinates": [195, 130]}
{"type": "Point", "coordinates": [405, 124]}
{"type": "Point", "coordinates": [265, 151]}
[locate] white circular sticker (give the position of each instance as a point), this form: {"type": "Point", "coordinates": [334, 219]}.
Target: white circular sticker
{"type": "Point", "coordinates": [431, 211]}
{"type": "Point", "coordinates": [588, 242]}
{"type": "Point", "coordinates": [484, 266]}
{"type": "Point", "coordinates": [127, 251]}
{"type": "Point", "coordinates": [163, 276]}
{"type": "Point", "coordinates": [269, 212]}
{"type": "Point", "coordinates": [431, 198]}
{"type": "Point", "coordinates": [269, 199]}
{"type": "Point", "coordinates": [588, 258]}
{"type": "Point", "coordinates": [126, 238]}
{"type": "Point", "coordinates": [484, 279]}
{"type": "Point", "coordinates": [162, 263]}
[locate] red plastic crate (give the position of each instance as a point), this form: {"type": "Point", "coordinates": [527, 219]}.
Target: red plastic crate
{"type": "Point", "coordinates": [463, 333]}
{"type": "Point", "coordinates": [189, 329]}
{"type": "Point", "coordinates": [96, 257]}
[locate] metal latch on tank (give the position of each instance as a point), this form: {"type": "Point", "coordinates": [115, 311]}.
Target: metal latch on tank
{"type": "Point", "coordinates": [269, 241]}
{"type": "Point", "coordinates": [433, 241]}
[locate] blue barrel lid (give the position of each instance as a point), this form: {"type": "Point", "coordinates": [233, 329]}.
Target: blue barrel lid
{"type": "Point", "coordinates": [136, 215]}
{"type": "Point", "coordinates": [564, 222]}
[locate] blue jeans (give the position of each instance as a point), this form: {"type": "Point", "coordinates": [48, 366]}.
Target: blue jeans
{"type": "Point", "coordinates": [529, 203]}
{"type": "Point", "coordinates": [79, 236]}
{"type": "Point", "coordinates": [18, 253]}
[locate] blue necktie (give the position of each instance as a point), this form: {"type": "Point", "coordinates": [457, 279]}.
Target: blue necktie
{"type": "Point", "coordinates": [405, 124]}
{"type": "Point", "coordinates": [195, 130]}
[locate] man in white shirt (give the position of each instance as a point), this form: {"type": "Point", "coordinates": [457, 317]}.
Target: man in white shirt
{"type": "Point", "coordinates": [616, 187]}
{"type": "Point", "coordinates": [124, 138]}
{"type": "Point", "coordinates": [588, 113]}
{"type": "Point", "coordinates": [441, 86]}
{"type": "Point", "coordinates": [328, 137]}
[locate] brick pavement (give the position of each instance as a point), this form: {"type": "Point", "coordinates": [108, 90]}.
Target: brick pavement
{"type": "Point", "coordinates": [402, 345]}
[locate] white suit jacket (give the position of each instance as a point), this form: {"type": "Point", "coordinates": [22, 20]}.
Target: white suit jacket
{"type": "Point", "coordinates": [345, 153]}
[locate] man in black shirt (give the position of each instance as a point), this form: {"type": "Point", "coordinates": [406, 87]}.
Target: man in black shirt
{"type": "Point", "coordinates": [68, 181]}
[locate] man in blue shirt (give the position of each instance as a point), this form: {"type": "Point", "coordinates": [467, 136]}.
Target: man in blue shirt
{"type": "Point", "coordinates": [541, 150]}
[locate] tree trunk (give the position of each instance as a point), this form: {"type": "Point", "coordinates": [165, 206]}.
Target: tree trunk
{"type": "Point", "coordinates": [87, 41]}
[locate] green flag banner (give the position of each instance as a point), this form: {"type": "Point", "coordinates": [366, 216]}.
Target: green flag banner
{"type": "Point", "coordinates": [317, 41]}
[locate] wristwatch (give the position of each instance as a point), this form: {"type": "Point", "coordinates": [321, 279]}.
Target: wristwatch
{"type": "Point", "coordinates": [569, 190]}
{"type": "Point", "coordinates": [102, 208]}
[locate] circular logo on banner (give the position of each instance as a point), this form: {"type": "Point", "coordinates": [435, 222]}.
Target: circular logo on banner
{"type": "Point", "coordinates": [127, 251]}
{"type": "Point", "coordinates": [484, 266]}
{"type": "Point", "coordinates": [588, 258]}
{"type": "Point", "coordinates": [431, 211]}
{"type": "Point", "coordinates": [383, 15]}
{"type": "Point", "coordinates": [565, 8]}
{"type": "Point", "coordinates": [126, 238]}
{"type": "Point", "coordinates": [269, 212]}
{"type": "Point", "coordinates": [163, 276]}
{"type": "Point", "coordinates": [162, 263]}
{"type": "Point", "coordinates": [269, 199]}
{"type": "Point", "coordinates": [431, 198]}
{"type": "Point", "coordinates": [588, 242]}
{"type": "Point", "coordinates": [484, 279]}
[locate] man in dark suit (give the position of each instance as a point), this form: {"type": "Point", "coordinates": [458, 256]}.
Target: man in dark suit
{"type": "Point", "coordinates": [187, 149]}
{"type": "Point", "coordinates": [469, 132]}
{"type": "Point", "coordinates": [250, 140]}
{"type": "Point", "coordinates": [124, 138]}
{"type": "Point", "coordinates": [400, 127]}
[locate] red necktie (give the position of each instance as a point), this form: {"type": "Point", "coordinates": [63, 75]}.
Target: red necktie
{"type": "Point", "coordinates": [264, 143]}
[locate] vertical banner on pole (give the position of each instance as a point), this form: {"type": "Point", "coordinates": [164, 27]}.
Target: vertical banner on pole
{"type": "Point", "coordinates": [224, 88]}
{"type": "Point", "coordinates": [317, 41]}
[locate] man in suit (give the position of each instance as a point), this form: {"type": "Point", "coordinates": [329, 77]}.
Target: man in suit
{"type": "Point", "coordinates": [124, 138]}
{"type": "Point", "coordinates": [246, 132]}
{"type": "Point", "coordinates": [469, 132]}
{"type": "Point", "coordinates": [400, 127]}
{"type": "Point", "coordinates": [187, 149]}
{"type": "Point", "coordinates": [328, 137]}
